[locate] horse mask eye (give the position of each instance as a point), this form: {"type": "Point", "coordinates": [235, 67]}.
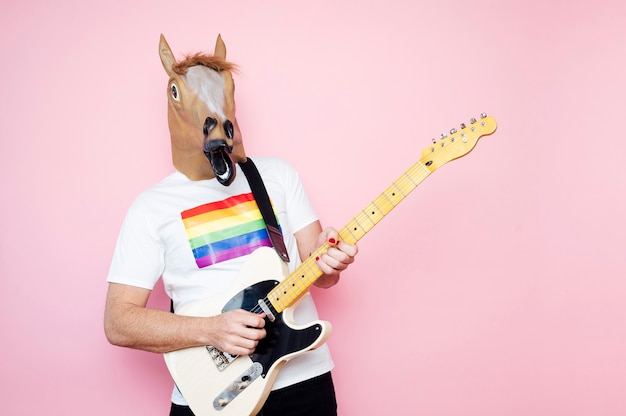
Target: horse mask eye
{"type": "Point", "coordinates": [174, 92]}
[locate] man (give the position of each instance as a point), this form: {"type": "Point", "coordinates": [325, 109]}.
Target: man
{"type": "Point", "coordinates": [159, 239]}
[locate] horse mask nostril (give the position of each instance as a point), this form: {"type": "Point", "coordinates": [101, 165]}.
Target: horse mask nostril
{"type": "Point", "coordinates": [209, 124]}
{"type": "Point", "coordinates": [229, 129]}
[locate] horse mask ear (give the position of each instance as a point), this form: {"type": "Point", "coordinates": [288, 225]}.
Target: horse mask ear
{"type": "Point", "coordinates": [220, 48]}
{"type": "Point", "coordinates": [167, 57]}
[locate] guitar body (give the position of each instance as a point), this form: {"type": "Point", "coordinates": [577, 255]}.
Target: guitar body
{"type": "Point", "coordinates": [214, 383]}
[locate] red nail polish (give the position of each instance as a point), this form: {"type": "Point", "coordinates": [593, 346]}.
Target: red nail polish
{"type": "Point", "coordinates": [331, 241]}
{"type": "Point", "coordinates": [317, 258]}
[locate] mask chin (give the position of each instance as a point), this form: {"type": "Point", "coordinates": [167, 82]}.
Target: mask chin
{"type": "Point", "coordinates": [219, 155]}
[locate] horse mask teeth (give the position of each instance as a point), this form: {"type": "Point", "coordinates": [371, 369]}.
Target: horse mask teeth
{"type": "Point", "coordinates": [218, 153]}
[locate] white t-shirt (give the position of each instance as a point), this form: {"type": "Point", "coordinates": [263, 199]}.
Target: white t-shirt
{"type": "Point", "coordinates": [196, 235]}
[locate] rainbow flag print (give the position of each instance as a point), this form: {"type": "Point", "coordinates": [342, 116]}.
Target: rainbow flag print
{"type": "Point", "coordinates": [225, 230]}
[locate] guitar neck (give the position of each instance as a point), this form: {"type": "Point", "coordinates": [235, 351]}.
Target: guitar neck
{"type": "Point", "coordinates": [458, 144]}
{"type": "Point", "coordinates": [298, 282]}
{"type": "Point", "coordinates": [373, 213]}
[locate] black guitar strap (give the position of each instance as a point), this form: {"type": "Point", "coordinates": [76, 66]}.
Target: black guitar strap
{"type": "Point", "coordinates": [263, 201]}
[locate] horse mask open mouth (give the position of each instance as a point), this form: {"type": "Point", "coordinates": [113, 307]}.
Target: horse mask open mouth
{"type": "Point", "coordinates": [218, 152]}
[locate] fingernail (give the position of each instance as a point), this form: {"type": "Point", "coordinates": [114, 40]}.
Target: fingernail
{"type": "Point", "coordinates": [331, 241]}
{"type": "Point", "coordinates": [317, 258]}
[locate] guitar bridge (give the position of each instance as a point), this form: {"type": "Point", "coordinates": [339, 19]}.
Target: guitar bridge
{"type": "Point", "coordinates": [237, 386]}
{"type": "Point", "coordinates": [221, 359]}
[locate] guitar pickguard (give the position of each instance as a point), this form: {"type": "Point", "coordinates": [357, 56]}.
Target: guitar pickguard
{"type": "Point", "coordinates": [281, 339]}
{"type": "Point", "coordinates": [216, 383]}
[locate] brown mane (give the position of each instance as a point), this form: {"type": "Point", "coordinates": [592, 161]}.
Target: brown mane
{"type": "Point", "coordinates": [210, 61]}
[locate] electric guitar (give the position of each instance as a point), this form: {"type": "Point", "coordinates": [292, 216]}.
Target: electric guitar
{"type": "Point", "coordinates": [216, 383]}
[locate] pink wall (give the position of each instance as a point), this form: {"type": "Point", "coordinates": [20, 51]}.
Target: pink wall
{"type": "Point", "coordinates": [497, 288]}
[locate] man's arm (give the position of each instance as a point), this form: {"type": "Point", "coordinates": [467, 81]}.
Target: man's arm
{"type": "Point", "coordinates": [128, 323]}
{"type": "Point", "coordinates": [334, 261]}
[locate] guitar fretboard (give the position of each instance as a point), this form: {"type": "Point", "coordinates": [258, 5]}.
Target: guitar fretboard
{"type": "Point", "coordinates": [298, 282]}
{"type": "Point", "coordinates": [458, 144]}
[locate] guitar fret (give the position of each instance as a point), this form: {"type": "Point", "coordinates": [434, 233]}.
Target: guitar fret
{"type": "Point", "coordinates": [375, 213]}
{"type": "Point", "coordinates": [277, 301]}
{"type": "Point", "coordinates": [362, 221]}
{"type": "Point", "coordinates": [398, 189]}
{"type": "Point", "coordinates": [294, 285]}
{"type": "Point", "coordinates": [418, 171]}
{"type": "Point", "coordinates": [286, 295]}
{"type": "Point", "coordinates": [372, 214]}
{"type": "Point", "coordinates": [405, 186]}
{"type": "Point", "coordinates": [424, 168]}
{"type": "Point", "coordinates": [356, 229]}
{"type": "Point", "coordinates": [308, 275]}
{"type": "Point", "coordinates": [349, 228]}
{"type": "Point", "coordinates": [343, 235]}
{"type": "Point", "coordinates": [394, 194]}
{"type": "Point", "coordinates": [383, 204]}
{"type": "Point", "coordinates": [411, 179]}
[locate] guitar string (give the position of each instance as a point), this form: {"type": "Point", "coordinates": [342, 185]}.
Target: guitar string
{"type": "Point", "coordinates": [411, 178]}
{"type": "Point", "coordinates": [406, 179]}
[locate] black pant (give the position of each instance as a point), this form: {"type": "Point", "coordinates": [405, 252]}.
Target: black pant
{"type": "Point", "coordinates": [314, 397]}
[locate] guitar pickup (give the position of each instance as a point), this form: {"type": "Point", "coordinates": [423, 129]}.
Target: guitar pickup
{"type": "Point", "coordinates": [265, 308]}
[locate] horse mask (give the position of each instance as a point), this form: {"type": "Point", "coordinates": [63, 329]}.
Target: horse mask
{"type": "Point", "coordinates": [205, 137]}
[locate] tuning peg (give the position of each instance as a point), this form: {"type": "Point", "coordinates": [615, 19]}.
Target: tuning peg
{"type": "Point", "coordinates": [483, 115]}
{"type": "Point", "coordinates": [472, 120]}
{"type": "Point", "coordinates": [462, 126]}
{"type": "Point", "coordinates": [452, 131]}
{"type": "Point", "coordinates": [443, 136]}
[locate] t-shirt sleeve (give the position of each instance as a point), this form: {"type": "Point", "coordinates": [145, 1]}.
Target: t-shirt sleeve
{"type": "Point", "coordinates": [138, 258]}
{"type": "Point", "coordinates": [299, 206]}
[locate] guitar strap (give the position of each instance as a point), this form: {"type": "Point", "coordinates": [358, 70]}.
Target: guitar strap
{"type": "Point", "coordinates": [263, 201]}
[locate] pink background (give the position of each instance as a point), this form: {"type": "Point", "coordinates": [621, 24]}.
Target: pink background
{"type": "Point", "coordinates": [497, 288]}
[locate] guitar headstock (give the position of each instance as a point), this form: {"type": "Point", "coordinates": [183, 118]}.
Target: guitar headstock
{"type": "Point", "coordinates": [458, 143]}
